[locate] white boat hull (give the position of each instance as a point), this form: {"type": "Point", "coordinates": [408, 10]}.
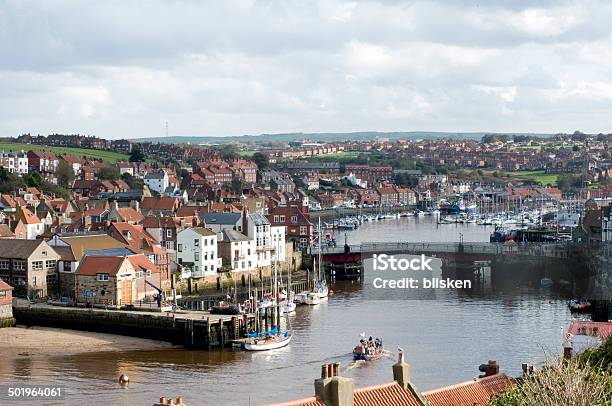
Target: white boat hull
{"type": "Point", "coordinates": [268, 346]}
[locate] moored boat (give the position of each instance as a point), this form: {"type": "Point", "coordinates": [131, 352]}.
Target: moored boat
{"type": "Point", "coordinates": [268, 342]}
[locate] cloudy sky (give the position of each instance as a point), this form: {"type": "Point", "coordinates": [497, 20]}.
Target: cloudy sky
{"type": "Point", "coordinates": [124, 68]}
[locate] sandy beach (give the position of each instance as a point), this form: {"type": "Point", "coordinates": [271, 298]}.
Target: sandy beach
{"type": "Point", "coordinates": [21, 341]}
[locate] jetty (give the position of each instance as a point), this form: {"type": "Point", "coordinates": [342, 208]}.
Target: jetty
{"type": "Point", "coordinates": [189, 328]}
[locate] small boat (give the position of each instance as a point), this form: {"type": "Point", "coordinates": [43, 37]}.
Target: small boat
{"type": "Point", "coordinates": [287, 306]}
{"type": "Point", "coordinates": [579, 306]}
{"type": "Point", "coordinates": [368, 350]}
{"type": "Point", "coordinates": [300, 298]}
{"type": "Point", "coordinates": [267, 342]}
{"type": "Point", "coordinates": [312, 298]}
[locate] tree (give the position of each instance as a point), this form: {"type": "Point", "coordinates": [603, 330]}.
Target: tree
{"type": "Point", "coordinates": [108, 173]}
{"type": "Point", "coordinates": [133, 182]}
{"type": "Point", "coordinates": [65, 174]}
{"type": "Point", "coordinates": [33, 179]}
{"type": "Point", "coordinates": [10, 182]}
{"type": "Point", "coordinates": [228, 151]}
{"type": "Point", "coordinates": [569, 181]}
{"type": "Point", "coordinates": [262, 160]}
{"type": "Point", "coordinates": [137, 155]}
{"type": "Point", "coordinates": [237, 185]}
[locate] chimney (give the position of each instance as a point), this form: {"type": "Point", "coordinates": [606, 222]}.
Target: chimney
{"type": "Point", "coordinates": [332, 389]}
{"type": "Point", "coordinates": [489, 369]}
{"type": "Point", "coordinates": [401, 371]}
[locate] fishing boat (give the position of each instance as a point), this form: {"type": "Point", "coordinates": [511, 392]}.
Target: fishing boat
{"type": "Point", "coordinates": [300, 298]}
{"type": "Point", "coordinates": [268, 340]}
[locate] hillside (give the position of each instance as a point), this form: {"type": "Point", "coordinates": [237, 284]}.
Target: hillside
{"type": "Point", "coordinates": [106, 156]}
{"type": "Point", "coordinates": [325, 137]}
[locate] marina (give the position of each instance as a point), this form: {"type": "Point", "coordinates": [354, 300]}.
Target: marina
{"type": "Point", "coordinates": [430, 331]}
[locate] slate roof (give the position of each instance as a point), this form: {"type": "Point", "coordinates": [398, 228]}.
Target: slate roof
{"type": "Point", "coordinates": [259, 219]}
{"type": "Point", "coordinates": [221, 218]}
{"type": "Point", "coordinates": [233, 235]}
{"type": "Point", "coordinates": [17, 248]}
{"type": "Point", "coordinates": [203, 231]}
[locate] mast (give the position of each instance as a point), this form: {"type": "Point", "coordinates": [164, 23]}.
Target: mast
{"type": "Point", "coordinates": [319, 272]}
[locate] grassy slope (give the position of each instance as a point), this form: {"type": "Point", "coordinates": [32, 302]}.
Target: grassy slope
{"type": "Point", "coordinates": [107, 156]}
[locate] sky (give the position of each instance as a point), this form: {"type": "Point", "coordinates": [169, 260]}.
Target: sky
{"type": "Point", "coordinates": [124, 68]}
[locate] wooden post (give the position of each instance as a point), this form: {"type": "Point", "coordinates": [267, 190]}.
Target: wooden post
{"type": "Point", "coordinates": [208, 333]}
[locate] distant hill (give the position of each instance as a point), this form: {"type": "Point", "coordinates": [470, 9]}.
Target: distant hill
{"type": "Point", "coordinates": [324, 137]}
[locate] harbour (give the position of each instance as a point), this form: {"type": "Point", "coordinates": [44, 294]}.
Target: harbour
{"type": "Point", "coordinates": [520, 325]}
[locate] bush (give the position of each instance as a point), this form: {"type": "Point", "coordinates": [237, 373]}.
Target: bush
{"type": "Point", "coordinates": [7, 322]}
{"type": "Point", "coordinates": [578, 382]}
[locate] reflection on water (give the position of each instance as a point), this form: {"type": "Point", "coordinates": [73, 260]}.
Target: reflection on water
{"type": "Point", "coordinates": [445, 340]}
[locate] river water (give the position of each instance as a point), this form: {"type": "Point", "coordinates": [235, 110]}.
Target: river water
{"type": "Point", "coordinates": [444, 340]}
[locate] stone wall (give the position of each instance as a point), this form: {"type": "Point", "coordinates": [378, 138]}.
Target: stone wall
{"type": "Point", "coordinates": [123, 323]}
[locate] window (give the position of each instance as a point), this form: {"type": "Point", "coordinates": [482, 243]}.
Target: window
{"type": "Point", "coordinates": [102, 277]}
{"type": "Point", "coordinates": [138, 274]}
{"type": "Point", "coordinates": [4, 264]}
{"type": "Point", "coordinates": [180, 248]}
{"type": "Point", "coordinates": [19, 265]}
{"type": "Point", "coordinates": [196, 242]}
{"type": "Point", "coordinates": [282, 218]}
{"type": "Point", "coordinates": [2, 294]}
{"type": "Point", "coordinates": [169, 233]}
{"type": "Point", "coordinates": [276, 219]}
{"type": "Point", "coordinates": [37, 265]}
{"type": "Point", "coordinates": [196, 256]}
{"type": "Point", "coordinates": [294, 219]}
{"type": "Point", "coordinates": [148, 272]}
{"type": "Point", "coordinates": [50, 263]}
{"type": "Point", "coordinates": [205, 241]}
{"type": "Point", "coordinates": [303, 230]}
{"type": "Point", "coordinates": [169, 245]}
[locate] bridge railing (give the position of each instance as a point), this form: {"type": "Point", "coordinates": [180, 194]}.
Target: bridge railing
{"type": "Point", "coordinates": [559, 250]}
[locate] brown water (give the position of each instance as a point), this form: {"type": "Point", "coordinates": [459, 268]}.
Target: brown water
{"type": "Point", "coordinates": [444, 339]}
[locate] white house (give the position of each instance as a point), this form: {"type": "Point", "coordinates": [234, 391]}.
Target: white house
{"type": "Point", "coordinates": [278, 242]}
{"type": "Point", "coordinates": [29, 225]}
{"type": "Point", "coordinates": [197, 249]}
{"type": "Point", "coordinates": [157, 181]}
{"type": "Point", "coordinates": [258, 228]}
{"type": "Point", "coordinates": [22, 164]}
{"type": "Point", "coordinates": [237, 251]}
{"type": "Point", "coordinates": [269, 240]}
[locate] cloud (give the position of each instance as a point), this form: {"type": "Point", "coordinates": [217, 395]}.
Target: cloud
{"type": "Point", "coordinates": [123, 68]}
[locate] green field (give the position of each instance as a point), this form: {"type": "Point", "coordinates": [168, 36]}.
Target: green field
{"type": "Point", "coordinates": [107, 156]}
{"type": "Point", "coordinates": [501, 176]}
{"type": "Point", "coordinates": [540, 177]}
{"type": "Point", "coordinates": [247, 153]}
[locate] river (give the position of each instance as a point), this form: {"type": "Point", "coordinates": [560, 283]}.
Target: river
{"type": "Point", "coordinates": [444, 340]}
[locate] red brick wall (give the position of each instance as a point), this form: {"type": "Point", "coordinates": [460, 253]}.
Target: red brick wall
{"type": "Point", "coordinates": [8, 299]}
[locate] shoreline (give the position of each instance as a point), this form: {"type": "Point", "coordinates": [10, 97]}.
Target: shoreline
{"type": "Point", "coordinates": [23, 341]}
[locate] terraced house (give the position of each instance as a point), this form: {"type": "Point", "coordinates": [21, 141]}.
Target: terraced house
{"type": "Point", "coordinates": [30, 266]}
